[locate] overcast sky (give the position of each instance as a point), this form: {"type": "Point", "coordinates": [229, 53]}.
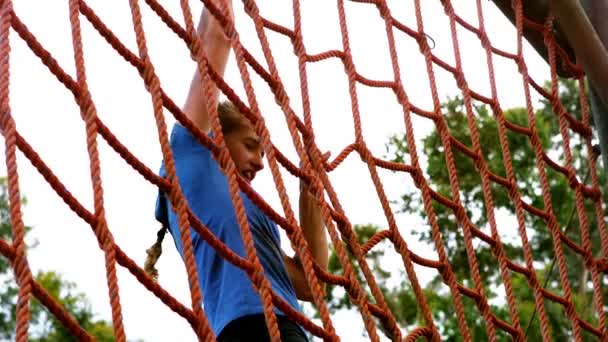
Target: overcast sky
{"type": "Point", "coordinates": [48, 117]}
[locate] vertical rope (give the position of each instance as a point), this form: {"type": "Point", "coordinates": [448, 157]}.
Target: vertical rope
{"type": "Point", "coordinates": [514, 194]}
{"type": "Point", "coordinates": [487, 193]}
{"type": "Point", "coordinates": [177, 200]}
{"type": "Point", "coordinates": [259, 280]}
{"type": "Point", "coordinates": [396, 238]}
{"type": "Point", "coordinates": [20, 264]}
{"type": "Point", "coordinates": [559, 109]}
{"type": "Point", "coordinates": [315, 170]}
{"type": "Point", "coordinates": [447, 274]}
{"type": "Point", "coordinates": [311, 156]}
{"type": "Point", "coordinates": [89, 114]}
{"type": "Point", "coordinates": [540, 164]}
{"type": "Point", "coordinates": [601, 225]}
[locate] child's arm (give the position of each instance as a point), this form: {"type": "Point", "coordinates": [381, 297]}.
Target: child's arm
{"type": "Point", "coordinates": [217, 47]}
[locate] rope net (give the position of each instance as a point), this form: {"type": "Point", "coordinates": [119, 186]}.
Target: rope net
{"type": "Point", "coordinates": [373, 308]}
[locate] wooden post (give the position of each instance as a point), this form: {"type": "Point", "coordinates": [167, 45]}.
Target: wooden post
{"type": "Point", "coordinates": [585, 42]}
{"type": "Point", "coordinates": [597, 11]}
{"type": "Point", "coordinates": [537, 12]}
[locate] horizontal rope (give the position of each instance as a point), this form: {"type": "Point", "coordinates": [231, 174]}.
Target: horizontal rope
{"type": "Point", "coordinates": [314, 172]}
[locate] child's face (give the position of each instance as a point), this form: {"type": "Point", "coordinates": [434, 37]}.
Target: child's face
{"type": "Point", "coordinates": [246, 151]}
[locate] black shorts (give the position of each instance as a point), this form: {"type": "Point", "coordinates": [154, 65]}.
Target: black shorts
{"type": "Point", "coordinates": [253, 328]}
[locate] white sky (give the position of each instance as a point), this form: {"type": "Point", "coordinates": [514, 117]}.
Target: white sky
{"type": "Point", "coordinates": [48, 117]}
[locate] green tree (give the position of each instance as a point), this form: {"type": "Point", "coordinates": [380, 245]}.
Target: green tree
{"type": "Point", "coordinates": [43, 325]}
{"type": "Point", "coordinates": [400, 297]}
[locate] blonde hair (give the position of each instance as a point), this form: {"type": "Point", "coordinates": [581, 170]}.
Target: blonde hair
{"type": "Point", "coordinates": [230, 120]}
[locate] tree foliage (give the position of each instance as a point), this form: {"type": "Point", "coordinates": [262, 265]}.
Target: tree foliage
{"type": "Point", "coordinates": [43, 325]}
{"type": "Point", "coordinates": [524, 160]}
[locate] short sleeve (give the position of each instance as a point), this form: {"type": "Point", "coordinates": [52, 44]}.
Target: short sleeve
{"type": "Point", "coordinates": [190, 157]}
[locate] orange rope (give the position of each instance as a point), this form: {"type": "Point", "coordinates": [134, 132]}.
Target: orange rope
{"type": "Point", "coordinates": [89, 113]}
{"type": "Point", "coordinates": [314, 172]}
{"type": "Point", "coordinates": [20, 264]}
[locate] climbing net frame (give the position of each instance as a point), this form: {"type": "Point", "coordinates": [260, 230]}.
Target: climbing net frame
{"type": "Point", "coordinates": [314, 172]}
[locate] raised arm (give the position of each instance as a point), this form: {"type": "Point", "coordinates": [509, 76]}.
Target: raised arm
{"type": "Point", "coordinates": [217, 47]}
{"type": "Point", "coordinates": [314, 233]}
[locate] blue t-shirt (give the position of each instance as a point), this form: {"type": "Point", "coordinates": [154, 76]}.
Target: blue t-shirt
{"type": "Point", "coordinates": [227, 290]}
